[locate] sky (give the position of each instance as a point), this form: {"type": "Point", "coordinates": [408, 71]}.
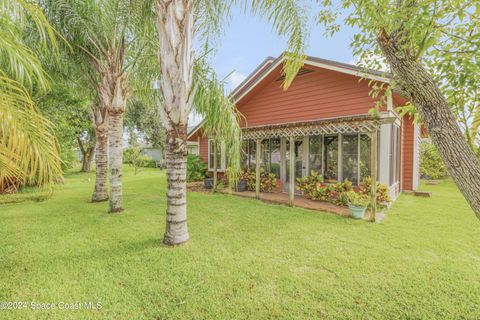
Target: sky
{"type": "Point", "coordinates": [247, 40]}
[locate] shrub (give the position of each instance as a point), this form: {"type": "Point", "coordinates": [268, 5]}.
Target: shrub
{"type": "Point", "coordinates": [383, 195]}
{"type": "Point", "coordinates": [196, 168]}
{"type": "Point", "coordinates": [268, 181]}
{"type": "Point", "coordinates": [135, 157]}
{"type": "Point", "coordinates": [431, 165]}
{"type": "Point", "coordinates": [310, 184]}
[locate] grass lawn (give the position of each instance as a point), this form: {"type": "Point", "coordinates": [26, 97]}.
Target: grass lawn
{"type": "Point", "coordinates": [245, 260]}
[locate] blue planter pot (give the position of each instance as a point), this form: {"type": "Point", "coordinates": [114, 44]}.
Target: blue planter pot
{"type": "Point", "coordinates": [357, 212]}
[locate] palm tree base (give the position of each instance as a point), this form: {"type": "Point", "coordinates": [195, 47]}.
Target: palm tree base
{"type": "Point", "coordinates": [175, 241]}
{"type": "Point", "coordinates": [115, 210]}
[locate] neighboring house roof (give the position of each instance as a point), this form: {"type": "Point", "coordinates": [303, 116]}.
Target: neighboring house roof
{"type": "Point", "coordinates": [270, 64]}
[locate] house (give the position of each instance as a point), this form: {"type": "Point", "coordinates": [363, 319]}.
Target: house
{"type": "Point", "coordinates": [323, 123]}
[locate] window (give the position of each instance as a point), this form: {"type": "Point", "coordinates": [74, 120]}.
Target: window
{"type": "Point", "coordinates": [330, 157]}
{"type": "Point", "coordinates": [220, 150]}
{"type": "Point", "coordinates": [365, 156]}
{"type": "Point", "coordinates": [395, 153]}
{"type": "Point", "coordinates": [315, 154]}
{"type": "Point", "coordinates": [350, 158]}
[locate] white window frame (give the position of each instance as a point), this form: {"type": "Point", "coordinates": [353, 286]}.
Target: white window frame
{"type": "Point", "coordinates": [222, 161]}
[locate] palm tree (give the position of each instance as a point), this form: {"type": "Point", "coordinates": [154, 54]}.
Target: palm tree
{"type": "Point", "coordinates": [28, 148]}
{"type": "Point", "coordinates": [110, 38]}
{"type": "Point", "coordinates": [179, 23]}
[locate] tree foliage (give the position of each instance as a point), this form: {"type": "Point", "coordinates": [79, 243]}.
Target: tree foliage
{"type": "Point", "coordinates": [28, 147]}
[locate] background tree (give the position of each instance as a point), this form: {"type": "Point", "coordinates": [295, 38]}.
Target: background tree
{"type": "Point", "coordinates": [410, 34]}
{"type": "Point", "coordinates": [142, 120]}
{"type": "Point", "coordinates": [69, 109]}
{"type": "Point", "coordinates": [179, 24]}
{"type": "Point", "coordinates": [28, 148]}
{"type": "Point", "coordinates": [113, 38]}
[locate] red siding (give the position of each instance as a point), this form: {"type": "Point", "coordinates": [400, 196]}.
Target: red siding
{"type": "Point", "coordinates": [203, 148]}
{"type": "Point", "coordinates": [408, 134]}
{"type": "Point", "coordinates": [316, 95]}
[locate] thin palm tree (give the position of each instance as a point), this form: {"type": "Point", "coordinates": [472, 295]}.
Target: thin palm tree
{"type": "Point", "coordinates": [28, 147]}
{"type": "Point", "coordinates": [179, 24]}
{"type": "Point", "coordinates": [111, 39]}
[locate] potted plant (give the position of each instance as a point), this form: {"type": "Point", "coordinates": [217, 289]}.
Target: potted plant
{"type": "Point", "coordinates": [208, 181]}
{"type": "Point", "coordinates": [241, 185]}
{"type": "Point", "coordinates": [357, 204]}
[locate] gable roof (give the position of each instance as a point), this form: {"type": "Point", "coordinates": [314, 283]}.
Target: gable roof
{"type": "Point", "coordinates": [255, 78]}
{"type": "Point", "coordinates": [270, 64]}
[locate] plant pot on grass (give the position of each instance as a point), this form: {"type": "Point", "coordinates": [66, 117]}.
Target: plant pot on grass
{"type": "Point", "coordinates": [357, 204]}
{"type": "Point", "coordinates": [208, 183]}
{"type": "Point", "coordinates": [241, 185]}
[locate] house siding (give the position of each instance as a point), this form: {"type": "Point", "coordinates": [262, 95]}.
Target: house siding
{"type": "Point", "coordinates": [320, 94]}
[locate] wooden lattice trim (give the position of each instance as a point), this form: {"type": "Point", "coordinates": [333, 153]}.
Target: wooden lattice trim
{"type": "Point", "coordinates": [345, 125]}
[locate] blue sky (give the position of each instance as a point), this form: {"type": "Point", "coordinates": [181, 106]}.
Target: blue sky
{"type": "Point", "coordinates": [248, 40]}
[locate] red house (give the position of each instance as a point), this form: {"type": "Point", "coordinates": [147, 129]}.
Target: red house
{"type": "Point", "coordinates": [325, 115]}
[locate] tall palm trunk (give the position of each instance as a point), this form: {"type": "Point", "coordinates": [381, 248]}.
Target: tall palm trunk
{"type": "Point", "coordinates": [100, 119]}
{"type": "Point", "coordinates": [175, 25]}
{"type": "Point", "coordinates": [115, 154]}
{"type": "Point", "coordinates": [418, 85]}
{"type": "Point", "coordinates": [114, 91]}
{"type": "Point", "coordinates": [176, 230]}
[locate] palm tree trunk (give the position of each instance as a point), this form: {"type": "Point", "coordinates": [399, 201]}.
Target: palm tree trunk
{"type": "Point", "coordinates": [416, 82]}
{"type": "Point", "coordinates": [115, 152]}
{"type": "Point", "coordinates": [101, 161]}
{"type": "Point", "coordinates": [175, 26]}
{"type": "Point", "coordinates": [176, 229]}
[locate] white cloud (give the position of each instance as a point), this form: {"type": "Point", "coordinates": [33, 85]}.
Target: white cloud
{"type": "Point", "coordinates": [235, 78]}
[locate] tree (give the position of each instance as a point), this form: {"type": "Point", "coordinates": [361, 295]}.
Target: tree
{"type": "Point", "coordinates": [111, 38]}
{"type": "Point", "coordinates": [28, 148]}
{"type": "Point", "coordinates": [142, 118]}
{"type": "Point", "coordinates": [69, 108]}
{"type": "Point", "coordinates": [179, 24]}
{"type": "Point", "coordinates": [409, 34]}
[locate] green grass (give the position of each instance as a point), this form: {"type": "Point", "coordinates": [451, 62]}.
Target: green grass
{"type": "Point", "coordinates": [245, 259]}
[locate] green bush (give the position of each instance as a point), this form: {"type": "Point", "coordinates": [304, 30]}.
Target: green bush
{"type": "Point", "coordinates": [268, 181]}
{"type": "Point", "coordinates": [135, 157]}
{"type": "Point", "coordinates": [196, 168]}
{"type": "Point", "coordinates": [431, 165]}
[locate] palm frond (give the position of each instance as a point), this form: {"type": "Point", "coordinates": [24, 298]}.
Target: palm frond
{"type": "Point", "coordinates": [28, 148]}
{"type": "Point", "coordinates": [221, 117]}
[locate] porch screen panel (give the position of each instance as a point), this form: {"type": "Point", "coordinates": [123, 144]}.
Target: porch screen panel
{"type": "Point", "coordinates": [265, 152]}
{"type": "Point", "coordinates": [365, 156]}
{"type": "Point", "coordinates": [275, 156]}
{"type": "Point", "coordinates": [330, 157]}
{"type": "Point", "coordinates": [315, 154]}
{"type": "Point", "coordinates": [252, 153]}
{"type": "Point", "coordinates": [244, 155]}
{"type": "Point", "coordinates": [350, 158]}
